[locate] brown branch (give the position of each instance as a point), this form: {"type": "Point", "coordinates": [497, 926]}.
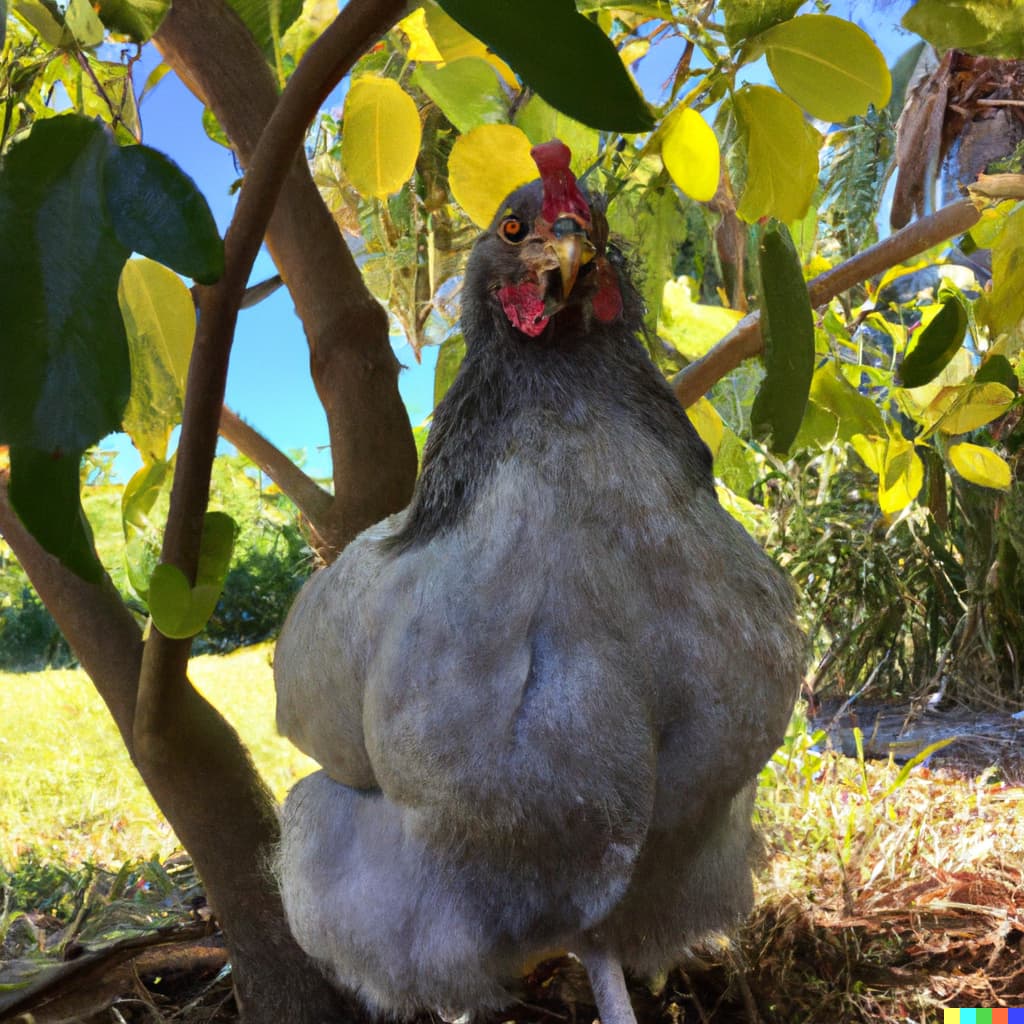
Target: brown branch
{"type": "Point", "coordinates": [744, 340]}
{"type": "Point", "coordinates": [309, 497]}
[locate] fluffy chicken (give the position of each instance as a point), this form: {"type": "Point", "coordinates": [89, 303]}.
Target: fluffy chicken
{"type": "Point", "coordinates": [541, 694]}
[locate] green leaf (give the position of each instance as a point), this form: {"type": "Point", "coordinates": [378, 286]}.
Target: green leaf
{"type": "Point", "coordinates": [782, 155]}
{"type": "Point", "coordinates": [994, 28]}
{"type": "Point", "coordinates": [562, 55]}
{"type": "Point", "coordinates": [85, 26]}
{"type": "Point", "coordinates": [142, 530]}
{"type": "Point", "coordinates": [44, 491]}
{"type": "Point", "coordinates": [747, 18]}
{"type": "Point", "coordinates": [179, 609]}
{"type": "Point", "coordinates": [1002, 308]}
{"type": "Point", "coordinates": [854, 412]}
{"type": "Point", "coordinates": [137, 19]}
{"type": "Point", "coordinates": [260, 16]}
{"type": "Point", "coordinates": [158, 211]}
{"type": "Point", "coordinates": [936, 345]}
{"type": "Point", "coordinates": [691, 327]}
{"type": "Point", "coordinates": [449, 359]}
{"type": "Point", "coordinates": [62, 343]}
{"type": "Point", "coordinates": [979, 404]}
{"type": "Point", "coordinates": [654, 221]}
{"type": "Point", "coordinates": [467, 91]}
{"type": "Point", "coordinates": [787, 326]}
{"type": "Point", "coordinates": [828, 65]}
{"type": "Point", "coordinates": [43, 19]}
{"type": "Point", "coordinates": [160, 321]}
{"type": "Point", "coordinates": [541, 123]}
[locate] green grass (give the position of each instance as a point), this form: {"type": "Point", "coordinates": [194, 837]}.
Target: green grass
{"type": "Point", "coordinates": [68, 792]}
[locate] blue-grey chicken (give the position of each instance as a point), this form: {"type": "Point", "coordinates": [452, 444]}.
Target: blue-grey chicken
{"type": "Point", "coordinates": [542, 693]}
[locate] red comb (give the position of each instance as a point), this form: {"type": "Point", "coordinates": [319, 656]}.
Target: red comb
{"type": "Point", "coordinates": [561, 193]}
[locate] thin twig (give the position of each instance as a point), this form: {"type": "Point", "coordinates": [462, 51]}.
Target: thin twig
{"type": "Point", "coordinates": [310, 498]}
{"type": "Point", "coordinates": [744, 340]}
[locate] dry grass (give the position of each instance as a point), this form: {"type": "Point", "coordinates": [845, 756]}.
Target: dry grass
{"type": "Point", "coordinates": [885, 893]}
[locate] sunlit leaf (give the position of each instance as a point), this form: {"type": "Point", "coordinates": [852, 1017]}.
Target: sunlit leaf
{"type": "Point", "coordinates": [871, 448]}
{"type": "Point", "coordinates": [981, 466]}
{"type": "Point", "coordinates": [143, 531]}
{"type": "Point", "coordinates": [159, 318]}
{"type": "Point", "coordinates": [787, 325]}
{"type": "Point", "coordinates": [855, 413]}
{"type": "Point", "coordinates": [562, 55]}
{"type": "Point", "coordinates": [42, 20]}
{"type": "Point", "coordinates": [180, 610]}
{"type": "Point", "coordinates": [467, 91]}
{"type": "Point", "coordinates": [690, 152]}
{"type": "Point", "coordinates": [421, 42]}
{"type": "Point", "coordinates": [828, 65]}
{"type": "Point", "coordinates": [938, 341]}
{"type": "Point", "coordinates": [708, 423]}
{"type": "Point", "coordinates": [782, 155]}
{"type": "Point", "coordinates": [486, 165]}
{"type": "Point", "coordinates": [1002, 308]}
{"type": "Point", "coordinates": [83, 22]}
{"type": "Point", "coordinates": [691, 327]}
{"type": "Point", "coordinates": [980, 404]}
{"type": "Point", "coordinates": [542, 123]}
{"type": "Point", "coordinates": [901, 478]}
{"type": "Point", "coordinates": [449, 359]}
{"type": "Point", "coordinates": [453, 42]}
{"type": "Point", "coordinates": [381, 136]}
{"type": "Point", "coordinates": [994, 28]}
{"type": "Point", "coordinates": [997, 369]}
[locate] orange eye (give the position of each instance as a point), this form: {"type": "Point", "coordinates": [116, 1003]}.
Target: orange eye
{"type": "Point", "coordinates": [513, 230]}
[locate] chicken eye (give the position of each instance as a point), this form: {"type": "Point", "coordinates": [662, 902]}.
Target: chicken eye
{"type": "Point", "coordinates": [513, 230]}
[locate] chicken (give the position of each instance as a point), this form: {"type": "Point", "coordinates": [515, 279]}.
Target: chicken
{"type": "Point", "coordinates": [542, 693]}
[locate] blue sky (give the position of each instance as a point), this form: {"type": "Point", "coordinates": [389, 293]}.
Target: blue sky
{"type": "Point", "coordinates": [268, 382]}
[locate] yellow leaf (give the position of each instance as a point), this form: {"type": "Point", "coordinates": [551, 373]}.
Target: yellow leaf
{"type": "Point", "coordinates": [980, 466]}
{"type": "Point", "coordinates": [690, 153]}
{"type": "Point", "coordinates": [901, 481]}
{"type": "Point", "coordinates": [981, 404]}
{"type": "Point", "coordinates": [421, 42]}
{"type": "Point", "coordinates": [487, 164]}
{"type": "Point", "coordinates": [634, 51]}
{"type": "Point", "coordinates": [691, 327]}
{"type": "Point", "coordinates": [704, 416]}
{"type": "Point", "coordinates": [871, 449]}
{"type": "Point", "coordinates": [381, 134]}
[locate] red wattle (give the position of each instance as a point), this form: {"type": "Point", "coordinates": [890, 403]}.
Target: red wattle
{"type": "Point", "coordinates": [524, 307]}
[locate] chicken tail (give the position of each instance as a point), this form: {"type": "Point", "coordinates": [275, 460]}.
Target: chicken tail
{"type": "Point", "coordinates": [610, 993]}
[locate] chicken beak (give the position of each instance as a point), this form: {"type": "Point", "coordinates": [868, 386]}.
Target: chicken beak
{"type": "Point", "coordinates": [569, 253]}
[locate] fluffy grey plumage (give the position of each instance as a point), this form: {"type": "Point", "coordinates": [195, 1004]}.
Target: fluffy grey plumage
{"type": "Point", "coordinates": [541, 694]}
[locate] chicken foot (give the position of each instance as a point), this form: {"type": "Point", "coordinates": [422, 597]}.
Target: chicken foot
{"type": "Point", "coordinates": [606, 979]}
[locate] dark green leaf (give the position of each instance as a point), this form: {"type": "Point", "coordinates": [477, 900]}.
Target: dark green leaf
{"type": "Point", "coordinates": [259, 15]}
{"type": "Point", "coordinates": [997, 369]}
{"type": "Point", "coordinates": [137, 19]}
{"type": "Point", "coordinates": [62, 342]}
{"type": "Point", "coordinates": [562, 55]}
{"type": "Point", "coordinates": [45, 493]}
{"type": "Point", "coordinates": [157, 211]}
{"type": "Point", "coordinates": [180, 610]}
{"type": "Point", "coordinates": [449, 359]}
{"type": "Point", "coordinates": [467, 91]}
{"type": "Point", "coordinates": [745, 19]}
{"type": "Point", "coordinates": [936, 345]}
{"type": "Point", "coordinates": [787, 326]}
